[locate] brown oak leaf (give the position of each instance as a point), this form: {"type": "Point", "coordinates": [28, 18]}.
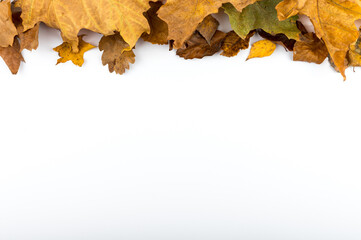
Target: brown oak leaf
{"type": "Point", "coordinates": [116, 54]}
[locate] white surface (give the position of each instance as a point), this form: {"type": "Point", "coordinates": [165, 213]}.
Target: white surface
{"type": "Point", "coordinates": [206, 149]}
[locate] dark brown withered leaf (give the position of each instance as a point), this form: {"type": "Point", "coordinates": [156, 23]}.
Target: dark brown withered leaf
{"type": "Point", "coordinates": [233, 44]}
{"type": "Point", "coordinates": [198, 47]}
{"type": "Point", "coordinates": [208, 28]}
{"type": "Point", "coordinates": [280, 39]}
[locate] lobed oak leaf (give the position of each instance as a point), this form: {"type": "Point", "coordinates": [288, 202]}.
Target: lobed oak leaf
{"type": "Point", "coordinates": [116, 54]}
{"type": "Point", "coordinates": [7, 27]}
{"type": "Point", "coordinates": [334, 23]}
{"type": "Point", "coordinates": [261, 15]}
{"type": "Point", "coordinates": [183, 17]}
{"type": "Point", "coordinates": [105, 17]}
{"type": "Point", "coordinates": [66, 52]}
{"type": "Point", "coordinates": [261, 49]}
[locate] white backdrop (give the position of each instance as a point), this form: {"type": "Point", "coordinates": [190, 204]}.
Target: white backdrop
{"type": "Point", "coordinates": [217, 148]}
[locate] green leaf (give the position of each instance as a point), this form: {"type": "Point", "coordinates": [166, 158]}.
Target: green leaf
{"type": "Point", "coordinates": [261, 15]}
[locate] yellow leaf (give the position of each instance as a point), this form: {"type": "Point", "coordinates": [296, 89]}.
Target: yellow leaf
{"type": "Point", "coordinates": [260, 49]}
{"type": "Point", "coordinates": [66, 52]}
{"type": "Point", "coordinates": [105, 17]}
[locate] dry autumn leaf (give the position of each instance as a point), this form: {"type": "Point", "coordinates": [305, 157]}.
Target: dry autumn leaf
{"type": "Point", "coordinates": [310, 49]}
{"type": "Point", "coordinates": [8, 30]}
{"type": "Point", "coordinates": [28, 39]}
{"type": "Point", "coordinates": [261, 15]}
{"type": "Point", "coordinates": [12, 56]}
{"type": "Point", "coordinates": [354, 55]}
{"type": "Point", "coordinates": [115, 54]}
{"type": "Point", "coordinates": [183, 17]}
{"type": "Point", "coordinates": [233, 43]}
{"type": "Point", "coordinates": [334, 23]}
{"type": "Point", "coordinates": [261, 49]}
{"type": "Point", "coordinates": [158, 28]}
{"type": "Point", "coordinates": [105, 17]}
{"type": "Point", "coordinates": [66, 52]}
{"type": "Point", "coordinates": [198, 47]}
{"type": "Point", "coordinates": [189, 26]}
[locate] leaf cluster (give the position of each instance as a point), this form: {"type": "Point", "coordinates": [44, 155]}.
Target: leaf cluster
{"type": "Point", "coordinates": [188, 26]}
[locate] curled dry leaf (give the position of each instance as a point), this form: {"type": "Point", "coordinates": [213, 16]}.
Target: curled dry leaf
{"type": "Point", "coordinates": [208, 28]}
{"type": "Point", "coordinates": [198, 47]}
{"type": "Point", "coordinates": [279, 38]}
{"type": "Point", "coordinates": [233, 43]}
{"type": "Point", "coordinates": [205, 41]}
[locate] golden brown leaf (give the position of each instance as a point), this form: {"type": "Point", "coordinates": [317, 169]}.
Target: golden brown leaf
{"type": "Point", "coordinates": [28, 39]}
{"type": "Point", "coordinates": [12, 56]}
{"type": "Point", "coordinates": [208, 27]}
{"type": "Point", "coordinates": [198, 47]}
{"type": "Point", "coordinates": [310, 49]}
{"type": "Point", "coordinates": [233, 44]}
{"type": "Point", "coordinates": [104, 17]}
{"type": "Point", "coordinates": [66, 52]}
{"type": "Point", "coordinates": [354, 55]}
{"type": "Point", "coordinates": [334, 23]}
{"type": "Point", "coordinates": [115, 53]}
{"type": "Point", "coordinates": [7, 27]}
{"type": "Point", "coordinates": [183, 17]}
{"type": "Point", "coordinates": [263, 48]}
{"type": "Point", "coordinates": [158, 28]}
